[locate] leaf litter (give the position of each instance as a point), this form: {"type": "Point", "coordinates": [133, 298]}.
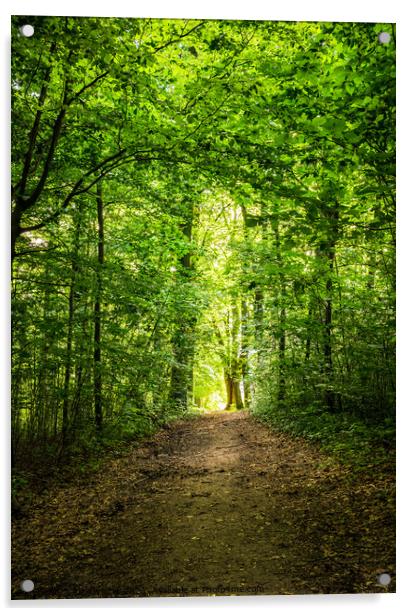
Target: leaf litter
{"type": "Point", "coordinates": [216, 505]}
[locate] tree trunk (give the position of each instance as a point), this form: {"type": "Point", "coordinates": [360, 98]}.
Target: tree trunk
{"type": "Point", "coordinates": [236, 352]}
{"type": "Point", "coordinates": [97, 355]}
{"type": "Point", "coordinates": [244, 352]}
{"type": "Point", "coordinates": [183, 344]}
{"type": "Point", "coordinates": [328, 249]}
{"type": "Point", "coordinates": [281, 351]}
{"type": "Point", "coordinates": [282, 311]}
{"type": "Point", "coordinates": [233, 389]}
{"type": "Point", "coordinates": [258, 323]}
{"type": "Point", "coordinates": [69, 339]}
{"type": "Point", "coordinates": [245, 330]}
{"type": "Point", "coordinates": [15, 228]}
{"type": "Point", "coordinates": [238, 395]}
{"type": "Point", "coordinates": [308, 338]}
{"type": "Point", "coordinates": [182, 370]}
{"type": "Point", "coordinates": [328, 317]}
{"type": "Point", "coordinates": [229, 386]}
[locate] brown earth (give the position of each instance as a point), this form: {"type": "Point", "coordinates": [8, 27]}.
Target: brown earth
{"type": "Point", "coordinates": [217, 505]}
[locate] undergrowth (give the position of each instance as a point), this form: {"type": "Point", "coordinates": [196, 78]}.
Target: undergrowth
{"type": "Point", "coordinates": [37, 467]}
{"type": "Point", "coordinates": [348, 438]}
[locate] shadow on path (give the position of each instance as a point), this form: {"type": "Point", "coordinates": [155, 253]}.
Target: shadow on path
{"type": "Point", "coordinates": [219, 505]}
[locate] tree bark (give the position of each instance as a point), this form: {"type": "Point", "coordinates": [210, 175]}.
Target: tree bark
{"type": "Point", "coordinates": [69, 339]}
{"type": "Point", "coordinates": [233, 389]}
{"type": "Point", "coordinates": [97, 355]}
{"type": "Point", "coordinates": [282, 316]}
{"type": "Point", "coordinates": [229, 386]}
{"type": "Point", "coordinates": [182, 370]}
{"type": "Point", "coordinates": [258, 323]}
{"type": "Point", "coordinates": [244, 352]}
{"type": "Point", "coordinates": [328, 249]}
{"type": "Point", "coordinates": [183, 345]}
{"type": "Point", "coordinates": [239, 403]}
{"type": "Point", "coordinates": [308, 338]}
{"type": "Point", "coordinates": [328, 319]}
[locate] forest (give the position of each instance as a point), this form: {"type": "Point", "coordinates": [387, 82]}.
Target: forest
{"type": "Point", "coordinates": [203, 226]}
{"type": "Point", "coordinates": [203, 216]}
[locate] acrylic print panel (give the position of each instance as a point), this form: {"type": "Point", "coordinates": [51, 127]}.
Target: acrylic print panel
{"type": "Point", "coordinates": [203, 286]}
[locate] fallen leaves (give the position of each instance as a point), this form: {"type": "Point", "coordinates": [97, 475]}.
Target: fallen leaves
{"type": "Point", "coordinates": [291, 519]}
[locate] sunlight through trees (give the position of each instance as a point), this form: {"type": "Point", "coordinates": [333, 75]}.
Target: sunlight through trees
{"type": "Point", "coordinates": [203, 217]}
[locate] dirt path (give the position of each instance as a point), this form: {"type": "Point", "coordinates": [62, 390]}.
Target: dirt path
{"type": "Point", "coordinates": [214, 505]}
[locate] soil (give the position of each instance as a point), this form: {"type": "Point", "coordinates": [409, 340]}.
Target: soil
{"type": "Point", "coordinates": [216, 505]}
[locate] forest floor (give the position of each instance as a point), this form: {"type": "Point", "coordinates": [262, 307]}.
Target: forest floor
{"type": "Point", "coordinates": [213, 505]}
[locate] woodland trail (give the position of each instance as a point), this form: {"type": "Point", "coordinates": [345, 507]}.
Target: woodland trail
{"type": "Point", "coordinates": [219, 504]}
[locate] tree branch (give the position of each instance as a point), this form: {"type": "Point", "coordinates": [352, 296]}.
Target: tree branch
{"type": "Point", "coordinates": [21, 186]}
{"type": "Point", "coordinates": [87, 86]}
{"type": "Point", "coordinates": [172, 41]}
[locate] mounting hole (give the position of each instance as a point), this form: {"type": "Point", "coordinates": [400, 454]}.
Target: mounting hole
{"type": "Point", "coordinates": [27, 585]}
{"type": "Point", "coordinates": [384, 579]}
{"type": "Point", "coordinates": [384, 38]}
{"type": "Point", "coordinates": [27, 30]}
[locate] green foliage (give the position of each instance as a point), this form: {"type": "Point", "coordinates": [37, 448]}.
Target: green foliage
{"type": "Point", "coordinates": [345, 436]}
{"type": "Point", "coordinates": [18, 483]}
{"type": "Point", "coordinates": [245, 173]}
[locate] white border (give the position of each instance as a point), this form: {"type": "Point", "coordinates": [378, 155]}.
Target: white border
{"type": "Point", "coordinates": [293, 10]}
{"type": "Point", "coordinates": [317, 10]}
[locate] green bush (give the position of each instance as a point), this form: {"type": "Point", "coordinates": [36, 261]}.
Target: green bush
{"type": "Point", "coordinates": [345, 436]}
